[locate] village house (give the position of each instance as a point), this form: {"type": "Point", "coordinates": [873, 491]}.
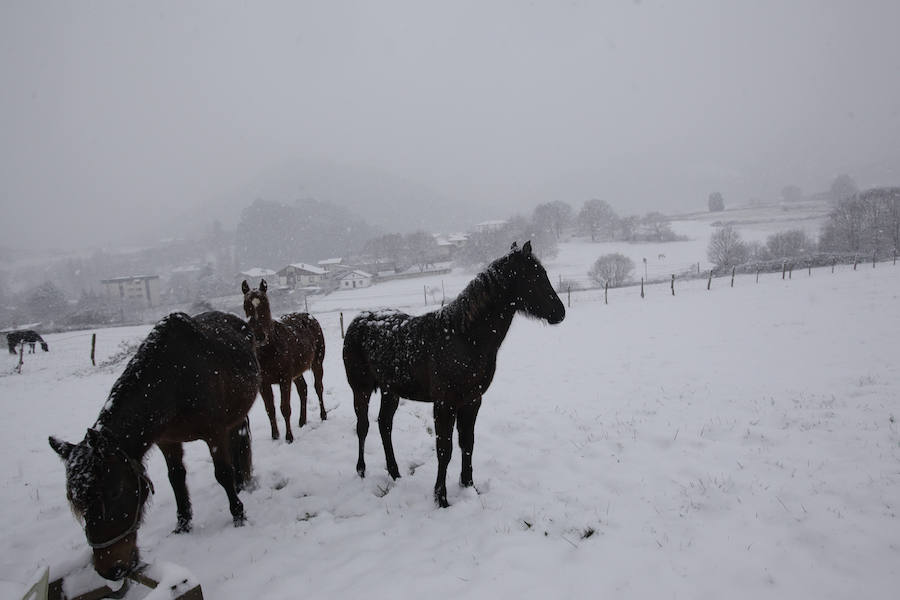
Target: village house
{"type": "Point", "coordinates": [141, 290]}
{"type": "Point", "coordinates": [300, 275]}
{"type": "Point", "coordinates": [252, 276]}
{"type": "Point", "coordinates": [354, 279]}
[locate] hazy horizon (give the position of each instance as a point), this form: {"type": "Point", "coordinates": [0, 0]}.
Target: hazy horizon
{"type": "Point", "coordinates": [120, 119]}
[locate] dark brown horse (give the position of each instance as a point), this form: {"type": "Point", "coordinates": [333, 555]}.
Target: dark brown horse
{"type": "Point", "coordinates": [25, 336]}
{"type": "Point", "coordinates": [193, 378]}
{"type": "Point", "coordinates": [286, 349]}
{"type": "Point", "coordinates": [446, 357]}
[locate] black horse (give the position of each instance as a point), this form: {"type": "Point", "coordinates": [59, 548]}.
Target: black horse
{"type": "Point", "coordinates": [26, 336]}
{"type": "Point", "coordinates": [193, 378]}
{"type": "Point", "coordinates": [446, 357]}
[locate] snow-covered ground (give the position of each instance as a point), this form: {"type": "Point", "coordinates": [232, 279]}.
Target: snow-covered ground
{"type": "Point", "coordinates": [736, 443]}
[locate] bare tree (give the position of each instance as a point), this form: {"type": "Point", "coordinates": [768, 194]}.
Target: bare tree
{"type": "Point", "coordinates": [612, 269]}
{"type": "Point", "coordinates": [599, 219]}
{"type": "Point", "coordinates": [716, 202]}
{"type": "Point", "coordinates": [726, 248]}
{"type": "Point", "coordinates": [553, 217]}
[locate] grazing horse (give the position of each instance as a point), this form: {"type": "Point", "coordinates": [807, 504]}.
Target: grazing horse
{"type": "Point", "coordinates": [446, 357]}
{"type": "Point", "coordinates": [285, 348]}
{"type": "Point", "coordinates": [193, 378]}
{"type": "Point", "coordinates": [26, 336]}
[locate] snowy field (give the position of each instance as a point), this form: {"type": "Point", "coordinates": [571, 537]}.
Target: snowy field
{"type": "Point", "coordinates": [737, 443]}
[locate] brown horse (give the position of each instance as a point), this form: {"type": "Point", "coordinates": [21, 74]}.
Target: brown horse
{"type": "Point", "coordinates": [193, 378]}
{"type": "Point", "coordinates": [286, 349]}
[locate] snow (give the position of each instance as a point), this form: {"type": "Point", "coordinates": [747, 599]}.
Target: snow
{"type": "Point", "coordinates": [738, 443]}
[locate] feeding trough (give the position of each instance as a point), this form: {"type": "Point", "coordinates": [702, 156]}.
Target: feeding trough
{"type": "Point", "coordinates": [164, 581]}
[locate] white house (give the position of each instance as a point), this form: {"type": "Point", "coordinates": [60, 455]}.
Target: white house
{"type": "Point", "coordinates": [252, 276]}
{"type": "Point", "coordinates": [354, 279]}
{"type": "Point", "coordinates": [300, 275]}
{"type": "Point", "coordinates": [140, 290]}
{"type": "Point", "coordinates": [488, 226]}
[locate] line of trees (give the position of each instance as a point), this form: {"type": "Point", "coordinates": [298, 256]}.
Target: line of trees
{"type": "Point", "coordinates": [861, 224]}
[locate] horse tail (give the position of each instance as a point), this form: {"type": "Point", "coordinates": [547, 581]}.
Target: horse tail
{"type": "Point", "coordinates": [319, 357]}
{"type": "Point", "coordinates": [242, 454]}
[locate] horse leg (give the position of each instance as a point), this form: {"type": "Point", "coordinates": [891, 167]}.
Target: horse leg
{"type": "Point", "coordinates": [300, 383]}
{"type": "Point", "coordinates": [389, 402]}
{"type": "Point", "coordinates": [465, 426]}
{"type": "Point", "coordinates": [444, 417]}
{"type": "Point", "coordinates": [174, 453]}
{"type": "Point", "coordinates": [317, 378]}
{"type": "Point", "coordinates": [361, 406]}
{"type": "Point", "coordinates": [221, 456]}
{"type": "Point", "coordinates": [265, 390]}
{"type": "Point", "coordinates": [285, 389]}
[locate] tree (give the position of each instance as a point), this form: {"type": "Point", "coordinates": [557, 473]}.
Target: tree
{"type": "Point", "coordinates": [552, 216]}
{"type": "Point", "coordinates": [659, 227]}
{"type": "Point", "coordinates": [726, 248]}
{"type": "Point", "coordinates": [599, 219]}
{"type": "Point", "coordinates": [842, 188]}
{"type": "Point", "coordinates": [716, 202]}
{"type": "Point", "coordinates": [611, 269]}
{"type": "Point", "coordinates": [421, 249]}
{"type": "Point", "coordinates": [788, 244]}
{"type": "Point", "coordinates": [791, 193]}
{"type": "Point", "coordinates": [47, 302]}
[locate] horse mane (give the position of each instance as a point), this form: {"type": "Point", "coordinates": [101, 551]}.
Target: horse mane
{"type": "Point", "coordinates": [479, 294]}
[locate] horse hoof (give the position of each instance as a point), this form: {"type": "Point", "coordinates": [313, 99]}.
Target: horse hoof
{"type": "Point", "coordinates": [324, 416]}
{"type": "Point", "coordinates": [289, 439]}
{"type": "Point", "coordinates": [182, 528]}
{"type": "Point", "coordinates": [394, 473]}
{"type": "Point", "coordinates": [301, 422]}
{"type": "Point", "coordinates": [466, 483]}
{"type": "Point", "coordinates": [275, 435]}
{"type": "Point", "coordinates": [441, 500]}
{"type": "Point", "coordinates": [361, 471]}
{"type": "Point", "coordinates": [240, 521]}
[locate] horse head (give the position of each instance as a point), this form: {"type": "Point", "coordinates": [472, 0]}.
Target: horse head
{"type": "Point", "coordinates": [257, 311]}
{"type": "Point", "coordinates": [533, 294]}
{"type": "Point", "coordinates": [107, 491]}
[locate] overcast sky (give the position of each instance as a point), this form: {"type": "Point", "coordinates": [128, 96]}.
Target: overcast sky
{"type": "Point", "coordinates": [116, 113]}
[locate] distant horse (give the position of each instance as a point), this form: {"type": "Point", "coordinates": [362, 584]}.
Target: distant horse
{"type": "Point", "coordinates": [26, 336]}
{"type": "Point", "coordinates": [446, 357]}
{"type": "Point", "coordinates": [193, 378]}
{"type": "Point", "coordinates": [285, 348]}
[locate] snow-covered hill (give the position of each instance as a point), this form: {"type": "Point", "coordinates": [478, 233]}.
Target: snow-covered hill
{"type": "Point", "coordinates": [738, 443]}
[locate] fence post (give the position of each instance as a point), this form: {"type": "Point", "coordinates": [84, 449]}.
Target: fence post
{"type": "Point", "coordinates": [698, 268]}
{"type": "Point", "coordinates": [783, 268]}
{"type": "Point", "coordinates": [93, 347]}
{"type": "Point", "coordinates": [21, 357]}
{"type": "Point", "coordinates": [569, 296]}
{"type": "Point", "coordinates": [606, 293]}
{"type": "Point", "coordinates": [791, 271]}
{"type": "Point", "coordinates": [874, 252]}
{"type": "Point", "coordinates": [855, 261]}
{"type": "Point", "coordinates": [642, 287]}
{"type": "Point", "coordinates": [757, 274]}
{"type": "Point", "coordinates": [895, 257]}
{"type": "Point", "coordinates": [306, 303]}
{"type": "Point", "coordinates": [342, 325]}
{"type": "Point", "coordinates": [444, 293]}
{"type": "Point", "coordinates": [425, 294]}
{"type": "Point", "coordinates": [673, 284]}
{"type": "Point", "coordinates": [709, 281]}
{"type": "Point", "coordinates": [833, 262]}
{"type": "Point", "coordinates": [732, 276]}
{"type": "Point", "coordinates": [809, 265]}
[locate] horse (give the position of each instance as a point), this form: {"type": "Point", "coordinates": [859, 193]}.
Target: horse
{"type": "Point", "coordinates": [446, 357]}
{"type": "Point", "coordinates": [192, 378]}
{"type": "Point", "coordinates": [25, 336]}
{"type": "Point", "coordinates": [286, 349]}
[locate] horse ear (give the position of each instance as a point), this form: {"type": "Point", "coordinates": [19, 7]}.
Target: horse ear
{"type": "Point", "coordinates": [245, 287]}
{"type": "Point", "coordinates": [64, 449]}
{"type": "Point", "coordinates": [514, 247]}
{"type": "Point", "coordinates": [526, 247]}
{"type": "Point", "coordinates": [94, 438]}
{"type": "Point", "coordinates": [263, 286]}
